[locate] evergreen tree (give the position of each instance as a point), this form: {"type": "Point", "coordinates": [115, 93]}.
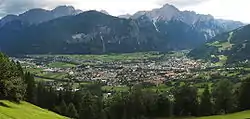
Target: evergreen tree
{"type": "Point", "coordinates": [87, 107]}
{"type": "Point", "coordinates": [206, 105]}
{"type": "Point", "coordinates": [77, 99]}
{"type": "Point", "coordinates": [135, 103]}
{"type": "Point", "coordinates": [46, 96]}
{"type": "Point", "coordinates": [223, 96]}
{"type": "Point", "coordinates": [30, 90]}
{"type": "Point", "coordinates": [19, 68]}
{"type": "Point", "coordinates": [115, 106]}
{"type": "Point", "coordinates": [163, 106]}
{"type": "Point", "coordinates": [72, 112]}
{"type": "Point", "coordinates": [40, 94]}
{"type": "Point", "coordinates": [244, 95]}
{"type": "Point", "coordinates": [63, 108]}
{"type": "Point", "coordinates": [12, 86]}
{"type": "Point", "coordinates": [186, 101]}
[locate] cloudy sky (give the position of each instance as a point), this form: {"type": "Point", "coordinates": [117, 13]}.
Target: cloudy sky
{"type": "Point", "coordinates": [226, 9]}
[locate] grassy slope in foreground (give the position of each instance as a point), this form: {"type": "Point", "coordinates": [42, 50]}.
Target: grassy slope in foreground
{"type": "Point", "coordinates": [239, 115]}
{"type": "Point", "coordinates": [9, 110]}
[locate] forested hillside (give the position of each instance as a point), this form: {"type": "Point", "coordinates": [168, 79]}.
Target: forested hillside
{"type": "Point", "coordinates": [65, 63]}
{"type": "Point", "coordinates": [232, 46]}
{"type": "Point", "coordinates": [89, 101]}
{"type": "Point", "coordinates": [12, 83]}
{"type": "Point", "coordinates": [17, 87]}
{"type": "Point", "coordinates": [96, 33]}
{"type": "Point", "coordinates": [183, 101]}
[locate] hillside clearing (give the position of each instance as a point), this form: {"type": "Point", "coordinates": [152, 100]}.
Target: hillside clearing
{"type": "Point", "coordinates": [10, 110]}
{"type": "Point", "coordinates": [238, 115]}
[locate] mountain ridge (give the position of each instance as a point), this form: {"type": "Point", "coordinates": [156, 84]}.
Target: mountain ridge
{"type": "Point", "coordinates": [232, 47]}
{"type": "Point", "coordinates": [98, 32]}
{"type": "Point", "coordinates": [169, 12]}
{"type": "Point", "coordinates": [38, 15]}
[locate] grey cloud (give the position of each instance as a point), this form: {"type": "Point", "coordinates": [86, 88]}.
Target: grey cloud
{"type": "Point", "coordinates": [181, 3]}
{"type": "Point", "coordinates": [19, 6]}
{"type": "Point", "coordinates": [15, 6]}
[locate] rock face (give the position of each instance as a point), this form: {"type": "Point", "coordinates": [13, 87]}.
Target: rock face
{"type": "Point", "coordinates": [104, 12]}
{"type": "Point", "coordinates": [231, 47]}
{"type": "Point", "coordinates": [89, 32]}
{"type": "Point", "coordinates": [66, 30]}
{"type": "Point", "coordinates": [205, 24]}
{"type": "Point", "coordinates": [126, 16]}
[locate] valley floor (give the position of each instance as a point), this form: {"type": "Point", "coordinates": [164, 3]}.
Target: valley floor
{"type": "Point", "coordinates": [10, 110]}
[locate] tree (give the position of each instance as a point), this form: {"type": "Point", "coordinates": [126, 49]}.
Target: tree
{"type": "Point", "coordinates": [72, 112]}
{"type": "Point", "coordinates": [89, 107]}
{"type": "Point", "coordinates": [12, 86]}
{"type": "Point", "coordinates": [19, 68]}
{"type": "Point", "coordinates": [46, 96]}
{"type": "Point", "coordinates": [163, 106]}
{"type": "Point", "coordinates": [134, 103]}
{"type": "Point", "coordinates": [115, 106]}
{"type": "Point", "coordinates": [63, 109]}
{"type": "Point", "coordinates": [244, 95]}
{"type": "Point", "coordinates": [30, 90]}
{"type": "Point", "coordinates": [67, 92]}
{"type": "Point", "coordinates": [40, 94]}
{"type": "Point", "coordinates": [223, 96]}
{"type": "Point", "coordinates": [206, 106]}
{"type": "Point", "coordinates": [186, 101]}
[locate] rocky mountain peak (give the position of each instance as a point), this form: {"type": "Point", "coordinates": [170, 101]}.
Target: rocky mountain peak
{"type": "Point", "coordinates": [206, 24]}
{"type": "Point", "coordinates": [165, 13]}
{"type": "Point", "coordinates": [9, 18]}
{"type": "Point", "coordinates": [64, 7]}
{"type": "Point", "coordinates": [169, 7]}
{"type": "Point", "coordinates": [64, 11]}
{"type": "Point", "coordinates": [38, 15]}
{"type": "Point", "coordinates": [104, 12]}
{"type": "Point", "coordinates": [126, 16]}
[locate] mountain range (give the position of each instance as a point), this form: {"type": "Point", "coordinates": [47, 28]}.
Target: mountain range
{"type": "Point", "coordinates": [67, 30]}
{"type": "Point", "coordinates": [36, 16]}
{"type": "Point", "coordinates": [229, 47]}
{"type": "Point", "coordinates": [206, 24]}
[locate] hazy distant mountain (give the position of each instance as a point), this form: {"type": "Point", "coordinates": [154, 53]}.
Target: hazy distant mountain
{"type": "Point", "coordinates": [36, 16]}
{"type": "Point", "coordinates": [126, 16]}
{"type": "Point", "coordinates": [206, 24]}
{"type": "Point", "coordinates": [104, 12]}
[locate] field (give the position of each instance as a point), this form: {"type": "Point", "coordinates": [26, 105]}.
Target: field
{"type": "Point", "coordinates": [9, 110]}
{"type": "Point", "coordinates": [239, 115]}
{"type": "Point", "coordinates": [222, 46]}
{"type": "Point", "coordinates": [105, 58]}
{"type": "Point", "coordinates": [91, 65]}
{"type": "Point", "coordinates": [67, 63]}
{"type": "Point", "coordinates": [60, 65]}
